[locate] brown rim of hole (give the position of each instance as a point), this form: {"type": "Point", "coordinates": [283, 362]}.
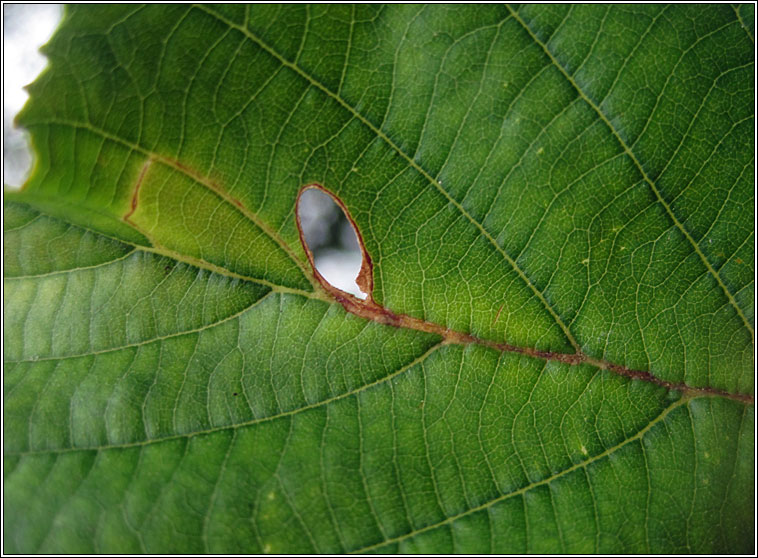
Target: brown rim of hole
{"type": "Point", "coordinates": [365, 277]}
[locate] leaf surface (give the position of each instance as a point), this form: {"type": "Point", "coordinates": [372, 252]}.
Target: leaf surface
{"type": "Point", "coordinates": [557, 353]}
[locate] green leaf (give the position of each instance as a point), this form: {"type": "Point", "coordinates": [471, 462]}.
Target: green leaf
{"type": "Point", "coordinates": [557, 354]}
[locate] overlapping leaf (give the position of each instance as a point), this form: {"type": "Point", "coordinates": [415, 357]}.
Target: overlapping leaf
{"type": "Point", "coordinates": [567, 179]}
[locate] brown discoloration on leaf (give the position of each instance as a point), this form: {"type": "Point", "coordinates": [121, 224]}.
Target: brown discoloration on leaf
{"type": "Point", "coordinates": [370, 310]}
{"type": "Point", "coordinates": [135, 194]}
{"type": "Point", "coordinates": [497, 316]}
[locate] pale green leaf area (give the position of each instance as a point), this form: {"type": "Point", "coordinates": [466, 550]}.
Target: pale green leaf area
{"type": "Point", "coordinates": [544, 179]}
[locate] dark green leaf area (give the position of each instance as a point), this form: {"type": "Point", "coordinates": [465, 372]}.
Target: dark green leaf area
{"type": "Point", "coordinates": [746, 13]}
{"type": "Point", "coordinates": [638, 497]}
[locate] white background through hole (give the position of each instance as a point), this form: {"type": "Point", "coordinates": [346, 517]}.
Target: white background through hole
{"type": "Point", "coordinates": [332, 240]}
{"type": "Point", "coordinates": [26, 27]}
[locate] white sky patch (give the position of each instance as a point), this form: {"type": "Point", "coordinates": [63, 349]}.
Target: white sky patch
{"type": "Point", "coordinates": [340, 268]}
{"type": "Point", "coordinates": [337, 260]}
{"type": "Point", "coordinates": [26, 27]}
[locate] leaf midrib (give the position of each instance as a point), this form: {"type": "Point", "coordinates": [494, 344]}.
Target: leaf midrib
{"type": "Point", "coordinates": [322, 294]}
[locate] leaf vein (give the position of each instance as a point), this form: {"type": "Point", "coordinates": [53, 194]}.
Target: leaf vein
{"type": "Point", "coordinates": [632, 156]}
{"type": "Point", "coordinates": [524, 489]}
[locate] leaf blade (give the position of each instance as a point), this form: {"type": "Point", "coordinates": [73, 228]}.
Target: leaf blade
{"type": "Point", "coordinates": [501, 191]}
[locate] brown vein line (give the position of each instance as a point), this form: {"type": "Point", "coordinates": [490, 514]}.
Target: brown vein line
{"type": "Point", "coordinates": [294, 67]}
{"type": "Point", "coordinates": [135, 195]}
{"type": "Point", "coordinates": [252, 422]}
{"type": "Point", "coordinates": [640, 168]}
{"type": "Point", "coordinates": [195, 176]}
{"type": "Point", "coordinates": [546, 481]}
{"type": "Point", "coordinates": [369, 310]}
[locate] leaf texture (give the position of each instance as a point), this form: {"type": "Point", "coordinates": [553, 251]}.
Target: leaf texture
{"type": "Point", "coordinates": [564, 192]}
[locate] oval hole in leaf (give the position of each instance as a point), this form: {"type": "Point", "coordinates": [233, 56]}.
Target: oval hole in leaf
{"type": "Point", "coordinates": [331, 239]}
